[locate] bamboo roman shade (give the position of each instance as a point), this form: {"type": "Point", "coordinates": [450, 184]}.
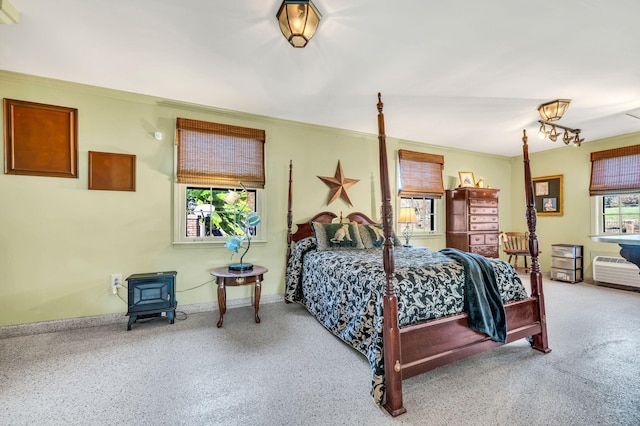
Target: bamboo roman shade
{"type": "Point", "coordinates": [615, 171]}
{"type": "Point", "coordinates": [420, 174]}
{"type": "Point", "coordinates": [219, 154]}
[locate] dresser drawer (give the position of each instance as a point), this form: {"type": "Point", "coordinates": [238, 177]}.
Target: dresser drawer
{"type": "Point", "coordinates": [483, 226]}
{"type": "Point", "coordinates": [483, 193]}
{"type": "Point", "coordinates": [566, 262]}
{"type": "Point", "coordinates": [568, 275]}
{"type": "Point", "coordinates": [479, 239]}
{"type": "Point", "coordinates": [491, 238]}
{"type": "Point", "coordinates": [475, 202]}
{"type": "Point", "coordinates": [487, 251]}
{"type": "Point", "coordinates": [476, 239]}
{"type": "Point", "coordinates": [481, 218]}
{"type": "Point", "coordinates": [483, 210]}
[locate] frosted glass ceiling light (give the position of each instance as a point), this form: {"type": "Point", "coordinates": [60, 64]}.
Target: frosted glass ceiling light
{"type": "Point", "coordinates": [298, 21]}
{"type": "Point", "coordinates": [554, 110]}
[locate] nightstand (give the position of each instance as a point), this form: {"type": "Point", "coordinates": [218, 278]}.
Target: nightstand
{"type": "Point", "coordinates": [225, 278]}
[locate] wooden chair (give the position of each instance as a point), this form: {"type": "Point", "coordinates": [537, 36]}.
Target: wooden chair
{"type": "Point", "coordinates": [516, 244]}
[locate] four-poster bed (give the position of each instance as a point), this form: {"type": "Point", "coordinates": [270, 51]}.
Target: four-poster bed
{"type": "Point", "coordinates": [407, 313]}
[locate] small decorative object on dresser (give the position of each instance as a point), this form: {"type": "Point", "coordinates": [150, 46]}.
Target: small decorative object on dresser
{"type": "Point", "coordinates": [472, 220]}
{"type": "Point", "coordinates": [467, 179]}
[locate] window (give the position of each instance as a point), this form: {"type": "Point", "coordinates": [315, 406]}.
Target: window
{"type": "Point", "coordinates": [420, 186]}
{"type": "Point", "coordinates": [207, 215]}
{"type": "Point", "coordinates": [615, 183]}
{"type": "Point", "coordinates": [620, 214]}
{"type": "Point", "coordinates": [212, 159]}
{"type": "Point", "coordinates": [425, 212]}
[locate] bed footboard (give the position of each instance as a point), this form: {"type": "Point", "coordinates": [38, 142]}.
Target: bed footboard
{"type": "Point", "coordinates": [435, 343]}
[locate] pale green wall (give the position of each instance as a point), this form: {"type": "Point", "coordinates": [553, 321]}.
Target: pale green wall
{"type": "Point", "coordinates": [574, 226]}
{"type": "Point", "coordinates": [60, 242]}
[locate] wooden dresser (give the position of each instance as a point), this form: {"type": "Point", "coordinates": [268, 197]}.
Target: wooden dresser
{"type": "Point", "coordinates": [472, 220]}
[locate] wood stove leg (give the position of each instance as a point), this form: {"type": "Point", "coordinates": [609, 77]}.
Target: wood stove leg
{"type": "Point", "coordinates": [132, 319]}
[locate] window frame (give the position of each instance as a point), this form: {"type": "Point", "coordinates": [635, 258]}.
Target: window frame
{"type": "Point", "coordinates": [193, 174]}
{"type": "Point", "coordinates": [434, 216]}
{"type": "Point", "coordinates": [598, 215]}
{"type": "Point", "coordinates": [418, 163]}
{"type": "Point", "coordinates": [180, 217]}
{"type": "Point", "coordinates": [626, 180]}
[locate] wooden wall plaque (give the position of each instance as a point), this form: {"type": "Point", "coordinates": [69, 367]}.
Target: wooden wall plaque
{"type": "Point", "coordinates": [112, 172]}
{"type": "Point", "coordinates": [40, 140]}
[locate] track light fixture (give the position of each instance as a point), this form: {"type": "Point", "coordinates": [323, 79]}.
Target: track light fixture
{"type": "Point", "coordinates": [569, 135]}
{"type": "Point", "coordinates": [553, 111]}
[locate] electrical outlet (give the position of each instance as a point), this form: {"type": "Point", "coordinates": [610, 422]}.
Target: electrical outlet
{"type": "Point", "coordinates": [116, 282]}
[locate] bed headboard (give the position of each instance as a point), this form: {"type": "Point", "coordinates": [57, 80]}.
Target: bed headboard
{"type": "Point", "coordinates": [304, 229]}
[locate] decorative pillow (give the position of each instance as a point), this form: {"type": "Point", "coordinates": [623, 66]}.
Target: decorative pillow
{"type": "Point", "coordinates": [332, 236]}
{"type": "Point", "coordinates": [373, 237]}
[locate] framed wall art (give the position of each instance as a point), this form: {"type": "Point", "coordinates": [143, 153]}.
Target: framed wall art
{"type": "Point", "coordinates": [112, 172]}
{"type": "Point", "coordinates": [40, 139]}
{"type": "Point", "coordinates": [467, 179]}
{"type": "Point", "coordinates": [547, 194]}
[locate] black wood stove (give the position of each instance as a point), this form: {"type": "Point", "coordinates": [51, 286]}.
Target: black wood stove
{"type": "Point", "coordinates": [150, 295]}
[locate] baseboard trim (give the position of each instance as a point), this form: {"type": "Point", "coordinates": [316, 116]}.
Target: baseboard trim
{"type": "Point", "coordinates": [120, 318]}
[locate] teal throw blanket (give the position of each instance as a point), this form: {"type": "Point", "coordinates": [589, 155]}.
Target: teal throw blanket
{"type": "Point", "coordinates": [482, 300]}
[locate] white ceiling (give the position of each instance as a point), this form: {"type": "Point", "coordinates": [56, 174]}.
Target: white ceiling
{"type": "Point", "coordinates": [460, 73]}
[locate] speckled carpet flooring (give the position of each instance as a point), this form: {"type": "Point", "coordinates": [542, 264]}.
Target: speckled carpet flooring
{"type": "Point", "coordinates": [289, 370]}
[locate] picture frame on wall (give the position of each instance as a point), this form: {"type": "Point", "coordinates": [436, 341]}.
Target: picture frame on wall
{"type": "Point", "coordinates": [467, 179]}
{"type": "Point", "coordinates": [542, 188]}
{"type": "Point", "coordinates": [109, 171]}
{"type": "Point", "coordinates": [548, 195]}
{"type": "Point", "coordinates": [40, 139]}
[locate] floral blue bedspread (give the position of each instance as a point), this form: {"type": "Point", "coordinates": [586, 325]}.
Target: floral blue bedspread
{"type": "Point", "coordinates": [343, 289]}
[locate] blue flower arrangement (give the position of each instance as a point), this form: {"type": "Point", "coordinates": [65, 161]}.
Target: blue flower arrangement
{"type": "Point", "coordinates": [244, 220]}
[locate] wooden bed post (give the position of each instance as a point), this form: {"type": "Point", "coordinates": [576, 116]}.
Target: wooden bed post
{"type": "Point", "coordinates": [391, 331]}
{"type": "Point", "coordinates": [289, 214]}
{"type": "Point", "coordinates": [540, 341]}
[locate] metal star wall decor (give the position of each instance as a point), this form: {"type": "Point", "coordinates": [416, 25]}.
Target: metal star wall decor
{"type": "Point", "coordinates": [338, 185]}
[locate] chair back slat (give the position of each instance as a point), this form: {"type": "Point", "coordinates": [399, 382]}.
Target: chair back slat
{"type": "Point", "coordinates": [516, 242]}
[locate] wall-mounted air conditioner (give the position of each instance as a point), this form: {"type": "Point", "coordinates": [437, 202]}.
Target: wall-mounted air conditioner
{"type": "Point", "coordinates": [616, 270]}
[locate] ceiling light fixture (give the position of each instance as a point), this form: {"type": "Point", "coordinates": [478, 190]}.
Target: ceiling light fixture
{"type": "Point", "coordinates": [298, 21]}
{"type": "Point", "coordinates": [570, 135]}
{"type": "Point", "coordinates": [554, 110]}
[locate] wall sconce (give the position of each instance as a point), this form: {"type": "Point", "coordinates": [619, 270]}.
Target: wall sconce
{"type": "Point", "coordinates": [554, 110]}
{"type": "Point", "coordinates": [298, 21]}
{"type": "Point", "coordinates": [408, 217]}
{"type": "Point", "coordinates": [158, 136]}
{"type": "Point", "coordinates": [569, 135]}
